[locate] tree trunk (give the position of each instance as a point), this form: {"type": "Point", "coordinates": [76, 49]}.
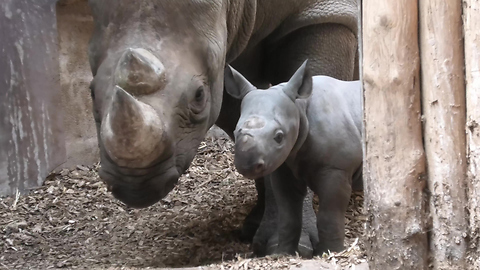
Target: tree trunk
{"type": "Point", "coordinates": [471, 15]}
{"type": "Point", "coordinates": [443, 100]}
{"type": "Point", "coordinates": [394, 168]}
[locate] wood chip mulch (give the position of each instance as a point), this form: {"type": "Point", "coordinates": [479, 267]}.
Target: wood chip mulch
{"type": "Point", "coordinates": [72, 222]}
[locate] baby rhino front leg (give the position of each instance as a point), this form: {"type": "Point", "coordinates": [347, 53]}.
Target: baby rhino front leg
{"type": "Point", "coordinates": [333, 189]}
{"type": "Point", "coordinates": [289, 195]}
{"type": "Point", "coordinates": [266, 240]}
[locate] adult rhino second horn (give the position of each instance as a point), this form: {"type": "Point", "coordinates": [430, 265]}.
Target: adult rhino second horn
{"type": "Point", "coordinates": [132, 132]}
{"type": "Point", "coordinates": [139, 72]}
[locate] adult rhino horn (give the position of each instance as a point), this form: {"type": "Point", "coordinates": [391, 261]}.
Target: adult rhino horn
{"type": "Point", "coordinates": [139, 72]}
{"type": "Point", "coordinates": [131, 132]}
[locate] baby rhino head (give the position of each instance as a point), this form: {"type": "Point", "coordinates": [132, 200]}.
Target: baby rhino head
{"type": "Point", "coordinates": [269, 122]}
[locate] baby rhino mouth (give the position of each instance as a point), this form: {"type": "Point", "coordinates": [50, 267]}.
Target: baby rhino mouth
{"type": "Point", "coordinates": [253, 170]}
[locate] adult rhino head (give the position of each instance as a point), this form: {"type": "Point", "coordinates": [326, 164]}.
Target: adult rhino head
{"type": "Point", "coordinates": [157, 89]}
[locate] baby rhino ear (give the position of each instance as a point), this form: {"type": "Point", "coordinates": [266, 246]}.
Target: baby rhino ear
{"type": "Point", "coordinates": [235, 84]}
{"type": "Point", "coordinates": [300, 85]}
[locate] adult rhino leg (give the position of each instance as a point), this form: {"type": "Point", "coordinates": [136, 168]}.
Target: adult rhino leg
{"type": "Point", "coordinates": [309, 237]}
{"type": "Point", "coordinates": [333, 188]}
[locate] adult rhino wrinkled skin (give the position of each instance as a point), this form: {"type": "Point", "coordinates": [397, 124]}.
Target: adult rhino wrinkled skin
{"type": "Point", "coordinates": [158, 70]}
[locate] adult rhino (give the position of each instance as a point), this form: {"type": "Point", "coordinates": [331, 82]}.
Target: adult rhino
{"type": "Point", "coordinates": [158, 70]}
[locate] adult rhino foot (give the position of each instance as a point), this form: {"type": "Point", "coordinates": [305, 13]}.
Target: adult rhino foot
{"type": "Point", "coordinates": [309, 238]}
{"type": "Point", "coordinates": [305, 246]}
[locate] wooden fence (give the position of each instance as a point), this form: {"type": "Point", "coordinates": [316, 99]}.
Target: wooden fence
{"type": "Point", "coordinates": [421, 78]}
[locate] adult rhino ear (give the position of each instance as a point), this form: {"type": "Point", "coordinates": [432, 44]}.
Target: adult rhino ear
{"type": "Point", "coordinates": [300, 85]}
{"type": "Point", "coordinates": [235, 84]}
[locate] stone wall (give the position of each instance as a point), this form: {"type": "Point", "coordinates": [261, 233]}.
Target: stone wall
{"type": "Point", "coordinates": [75, 26]}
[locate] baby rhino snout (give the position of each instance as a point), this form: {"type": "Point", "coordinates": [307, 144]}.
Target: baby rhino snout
{"type": "Point", "coordinates": [248, 160]}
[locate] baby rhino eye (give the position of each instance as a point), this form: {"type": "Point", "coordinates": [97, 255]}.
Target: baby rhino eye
{"type": "Point", "coordinates": [279, 136]}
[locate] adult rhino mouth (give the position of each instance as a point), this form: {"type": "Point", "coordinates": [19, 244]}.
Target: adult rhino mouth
{"type": "Point", "coordinates": [138, 189]}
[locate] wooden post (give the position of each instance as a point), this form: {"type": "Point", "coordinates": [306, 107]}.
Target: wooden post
{"type": "Point", "coordinates": [471, 15]}
{"type": "Point", "coordinates": [394, 167]}
{"type": "Point", "coordinates": [443, 102]}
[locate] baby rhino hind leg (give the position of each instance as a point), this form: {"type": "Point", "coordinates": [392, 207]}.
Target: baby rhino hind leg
{"type": "Point", "coordinates": [333, 189]}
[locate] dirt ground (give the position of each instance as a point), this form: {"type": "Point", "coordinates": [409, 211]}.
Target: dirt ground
{"type": "Point", "coordinates": [72, 222]}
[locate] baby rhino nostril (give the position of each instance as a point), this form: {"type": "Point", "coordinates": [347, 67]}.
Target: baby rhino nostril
{"type": "Point", "coordinates": [259, 166]}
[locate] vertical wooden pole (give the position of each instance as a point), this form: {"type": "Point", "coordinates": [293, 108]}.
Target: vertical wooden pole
{"type": "Point", "coordinates": [443, 102]}
{"type": "Point", "coordinates": [471, 15]}
{"type": "Point", "coordinates": [394, 167]}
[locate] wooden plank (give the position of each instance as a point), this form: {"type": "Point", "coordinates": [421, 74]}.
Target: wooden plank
{"type": "Point", "coordinates": [443, 102]}
{"type": "Point", "coordinates": [394, 167]}
{"type": "Point", "coordinates": [471, 15]}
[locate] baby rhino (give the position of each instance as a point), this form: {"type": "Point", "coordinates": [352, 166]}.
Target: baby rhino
{"type": "Point", "coordinates": [305, 132]}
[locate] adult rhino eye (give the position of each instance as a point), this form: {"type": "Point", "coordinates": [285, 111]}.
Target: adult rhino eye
{"type": "Point", "coordinates": [199, 101]}
{"type": "Point", "coordinates": [279, 137]}
{"type": "Point", "coordinates": [199, 94]}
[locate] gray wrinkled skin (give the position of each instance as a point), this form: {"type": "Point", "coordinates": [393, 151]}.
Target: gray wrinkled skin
{"type": "Point", "coordinates": [306, 132]}
{"type": "Point", "coordinates": [158, 68]}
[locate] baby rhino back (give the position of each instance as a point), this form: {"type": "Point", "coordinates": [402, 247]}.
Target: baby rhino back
{"type": "Point", "coordinates": [334, 114]}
